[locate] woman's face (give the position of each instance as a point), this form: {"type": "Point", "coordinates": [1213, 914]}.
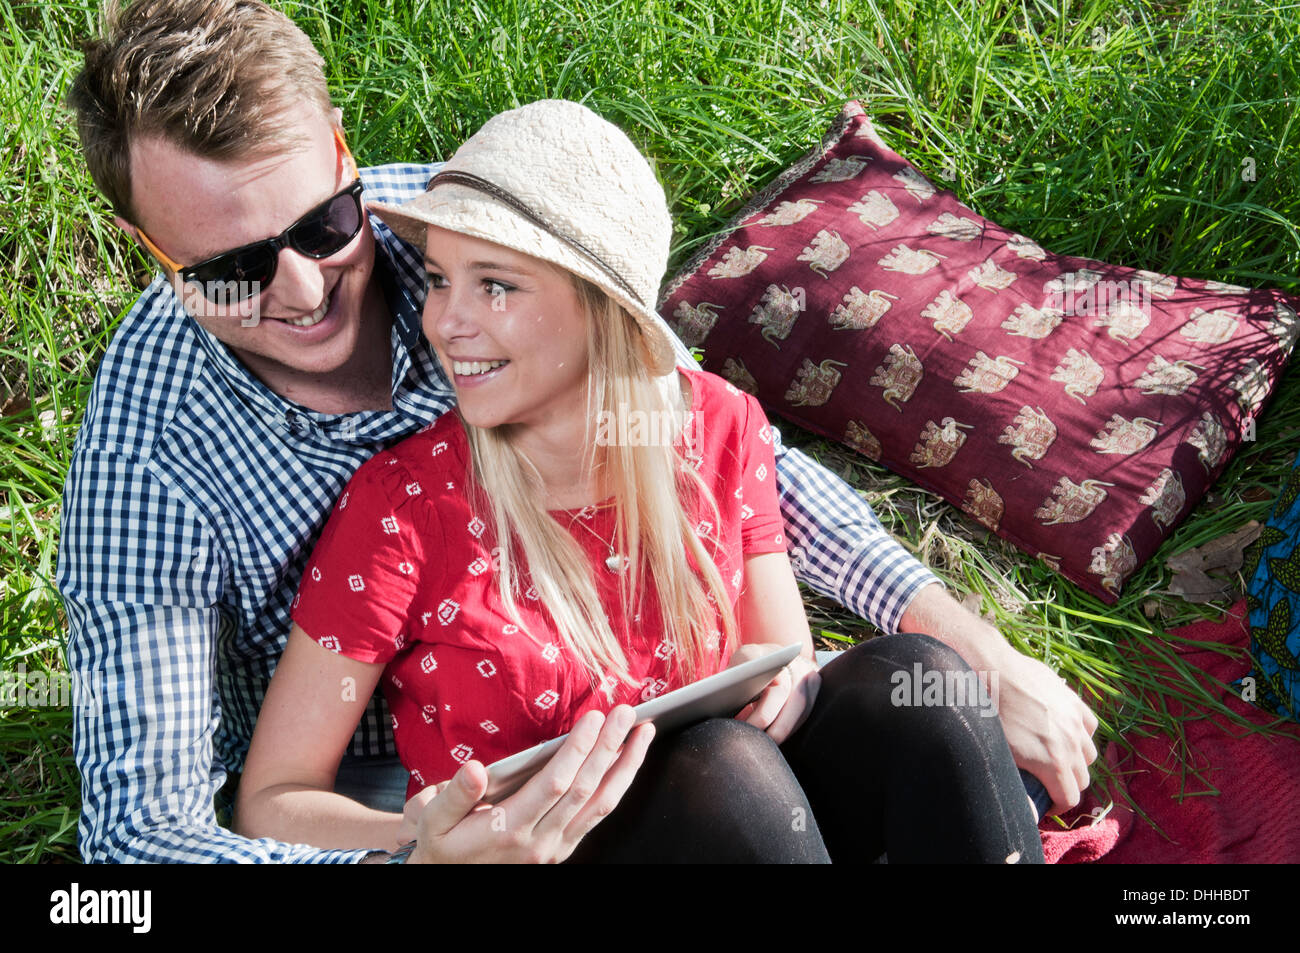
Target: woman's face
{"type": "Point", "coordinates": [509, 331]}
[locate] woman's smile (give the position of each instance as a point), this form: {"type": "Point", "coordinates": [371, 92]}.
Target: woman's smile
{"type": "Point", "coordinates": [467, 368]}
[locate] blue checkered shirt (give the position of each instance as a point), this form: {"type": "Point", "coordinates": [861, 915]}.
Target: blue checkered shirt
{"type": "Point", "coordinates": [194, 497]}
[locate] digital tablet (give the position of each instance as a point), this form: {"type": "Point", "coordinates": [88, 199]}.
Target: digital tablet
{"type": "Point", "coordinates": [718, 696]}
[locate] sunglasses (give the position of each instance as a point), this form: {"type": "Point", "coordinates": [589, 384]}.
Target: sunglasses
{"type": "Point", "coordinates": [244, 272]}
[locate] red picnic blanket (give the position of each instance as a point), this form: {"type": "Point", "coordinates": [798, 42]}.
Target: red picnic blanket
{"type": "Point", "coordinates": [1254, 817]}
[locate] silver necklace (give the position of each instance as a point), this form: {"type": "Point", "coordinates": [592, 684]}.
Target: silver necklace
{"type": "Point", "coordinates": [615, 562]}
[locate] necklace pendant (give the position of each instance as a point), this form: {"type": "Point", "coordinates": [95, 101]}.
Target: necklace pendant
{"type": "Point", "coordinates": [615, 562]}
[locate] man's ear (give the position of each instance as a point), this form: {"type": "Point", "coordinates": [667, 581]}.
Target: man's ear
{"type": "Point", "coordinates": [337, 113]}
{"type": "Point", "coordinates": [126, 226]}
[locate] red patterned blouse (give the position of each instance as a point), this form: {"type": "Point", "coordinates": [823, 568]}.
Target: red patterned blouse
{"type": "Point", "coordinates": [403, 575]}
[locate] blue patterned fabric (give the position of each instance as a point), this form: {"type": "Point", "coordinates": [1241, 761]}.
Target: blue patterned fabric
{"type": "Point", "coordinates": [1273, 598]}
{"type": "Point", "coordinates": [192, 501]}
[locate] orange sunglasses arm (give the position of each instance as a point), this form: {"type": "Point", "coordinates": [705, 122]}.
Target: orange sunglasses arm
{"type": "Point", "coordinates": [172, 266]}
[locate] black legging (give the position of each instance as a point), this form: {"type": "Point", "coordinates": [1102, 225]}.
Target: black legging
{"type": "Point", "coordinates": [861, 777]}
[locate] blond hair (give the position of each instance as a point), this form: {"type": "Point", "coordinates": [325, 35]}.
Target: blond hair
{"type": "Point", "coordinates": [214, 77]}
{"type": "Point", "coordinates": [654, 488]}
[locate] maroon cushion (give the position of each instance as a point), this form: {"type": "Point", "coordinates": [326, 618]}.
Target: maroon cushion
{"type": "Point", "coordinates": [1077, 409]}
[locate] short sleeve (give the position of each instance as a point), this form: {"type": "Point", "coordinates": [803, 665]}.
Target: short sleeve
{"type": "Point", "coordinates": [357, 591]}
{"type": "Point", "coordinates": [762, 528]}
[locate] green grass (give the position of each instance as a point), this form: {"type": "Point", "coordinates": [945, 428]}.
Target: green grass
{"type": "Point", "coordinates": [1107, 129]}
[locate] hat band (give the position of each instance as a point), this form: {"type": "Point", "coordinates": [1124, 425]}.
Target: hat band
{"type": "Point", "coordinates": [506, 198]}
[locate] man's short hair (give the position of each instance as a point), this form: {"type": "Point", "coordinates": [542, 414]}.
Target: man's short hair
{"type": "Point", "coordinates": [214, 77]}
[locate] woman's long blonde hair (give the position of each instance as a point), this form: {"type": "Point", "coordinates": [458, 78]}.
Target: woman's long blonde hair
{"type": "Point", "coordinates": [655, 489]}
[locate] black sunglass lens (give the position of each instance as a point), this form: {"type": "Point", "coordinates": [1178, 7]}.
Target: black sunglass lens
{"type": "Point", "coordinates": [334, 226]}
{"type": "Point", "coordinates": [235, 277]}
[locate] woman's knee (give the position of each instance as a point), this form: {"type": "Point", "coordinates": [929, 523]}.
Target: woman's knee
{"type": "Point", "coordinates": [719, 747]}
{"type": "Point", "coordinates": [905, 691]}
{"type": "Point", "coordinates": [743, 801]}
{"type": "Point", "coordinates": [890, 653]}
{"type": "Point", "coordinates": [905, 671]}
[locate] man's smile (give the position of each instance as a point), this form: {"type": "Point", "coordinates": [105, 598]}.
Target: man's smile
{"type": "Point", "coordinates": [325, 310]}
{"type": "Point", "coordinates": [311, 319]}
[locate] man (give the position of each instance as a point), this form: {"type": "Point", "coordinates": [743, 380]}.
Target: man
{"type": "Point", "coordinates": [221, 429]}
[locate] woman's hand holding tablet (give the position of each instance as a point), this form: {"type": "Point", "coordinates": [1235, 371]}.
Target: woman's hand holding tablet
{"type": "Point", "coordinates": [547, 817]}
{"type": "Point", "coordinates": [787, 699]}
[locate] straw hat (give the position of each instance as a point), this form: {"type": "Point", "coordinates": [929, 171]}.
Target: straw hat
{"type": "Point", "coordinates": [555, 181]}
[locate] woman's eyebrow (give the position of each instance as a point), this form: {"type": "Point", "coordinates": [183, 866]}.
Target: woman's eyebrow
{"type": "Point", "coordinates": [483, 266]}
{"type": "Point", "coordinates": [497, 266]}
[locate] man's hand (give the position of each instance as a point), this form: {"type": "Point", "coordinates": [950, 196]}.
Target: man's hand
{"type": "Point", "coordinates": [545, 819]}
{"type": "Point", "coordinates": [783, 705]}
{"type": "Point", "coordinates": [1047, 726]}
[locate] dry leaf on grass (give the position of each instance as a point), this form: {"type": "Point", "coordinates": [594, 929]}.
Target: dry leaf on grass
{"type": "Point", "coordinates": [1155, 607]}
{"type": "Point", "coordinates": [1258, 494]}
{"type": "Point", "coordinates": [16, 404]}
{"type": "Point", "coordinates": [1209, 572]}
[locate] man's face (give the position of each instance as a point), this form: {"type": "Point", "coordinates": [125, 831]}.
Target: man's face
{"type": "Point", "coordinates": [309, 315]}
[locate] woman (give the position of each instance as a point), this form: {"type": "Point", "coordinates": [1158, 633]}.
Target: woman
{"type": "Point", "coordinates": [592, 529]}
